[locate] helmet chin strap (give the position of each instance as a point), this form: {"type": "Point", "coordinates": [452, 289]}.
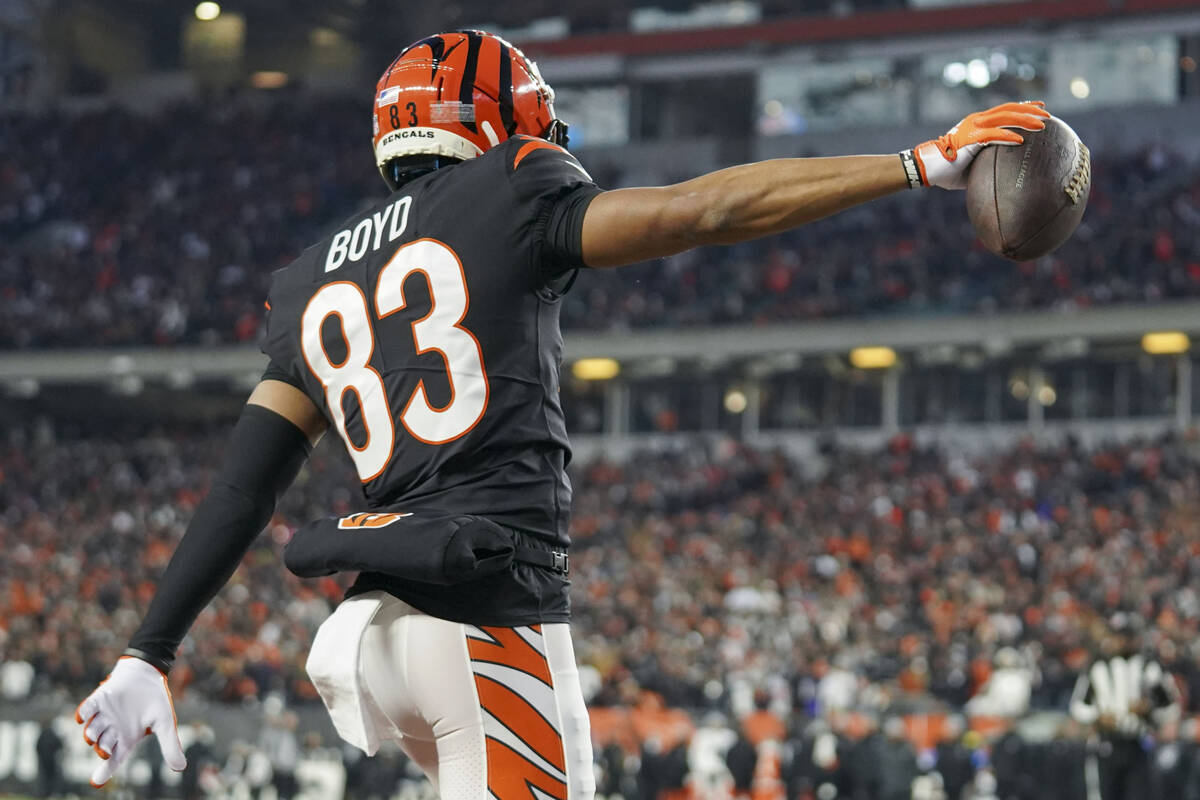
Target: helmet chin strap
{"type": "Point", "coordinates": [400, 171]}
{"type": "Point", "coordinates": [556, 133]}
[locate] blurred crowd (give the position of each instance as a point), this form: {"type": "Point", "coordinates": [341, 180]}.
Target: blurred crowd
{"type": "Point", "coordinates": [164, 229]}
{"type": "Point", "coordinates": [897, 576]}
{"type": "Point", "coordinates": [88, 526]}
{"type": "Point", "coordinates": [903, 579]}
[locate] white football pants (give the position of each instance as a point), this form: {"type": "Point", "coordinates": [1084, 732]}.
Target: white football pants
{"type": "Point", "coordinates": [489, 713]}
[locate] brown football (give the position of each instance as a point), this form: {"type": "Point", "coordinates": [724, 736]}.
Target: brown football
{"type": "Point", "coordinates": [1026, 200]}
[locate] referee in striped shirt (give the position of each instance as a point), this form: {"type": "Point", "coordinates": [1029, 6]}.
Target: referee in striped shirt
{"type": "Point", "coordinates": [1124, 699]}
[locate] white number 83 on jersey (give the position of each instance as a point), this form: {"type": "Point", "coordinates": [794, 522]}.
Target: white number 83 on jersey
{"type": "Point", "coordinates": [438, 331]}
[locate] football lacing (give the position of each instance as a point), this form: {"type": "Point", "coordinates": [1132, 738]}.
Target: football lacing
{"type": "Point", "coordinates": [1081, 177]}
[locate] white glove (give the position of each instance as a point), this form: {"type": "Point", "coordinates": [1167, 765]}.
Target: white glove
{"type": "Point", "coordinates": [127, 706]}
{"type": "Point", "coordinates": [944, 161]}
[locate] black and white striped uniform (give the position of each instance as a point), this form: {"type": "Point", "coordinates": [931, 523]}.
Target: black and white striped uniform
{"type": "Point", "coordinates": [1116, 686]}
{"type": "Point", "coordinates": [1125, 700]}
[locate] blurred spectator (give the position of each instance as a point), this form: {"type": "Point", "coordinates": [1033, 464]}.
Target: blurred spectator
{"type": "Point", "coordinates": [817, 767]}
{"type": "Point", "coordinates": [838, 688]}
{"type": "Point", "coordinates": [154, 788]}
{"type": "Point", "coordinates": [762, 724]}
{"type": "Point", "coordinates": [897, 762]}
{"type": "Point", "coordinates": [246, 771]}
{"type": "Point", "coordinates": [49, 763]}
{"type": "Point", "coordinates": [1174, 762]}
{"type": "Point", "coordinates": [1007, 691]}
{"type": "Point", "coordinates": [200, 775]}
{"type": "Point", "coordinates": [662, 772]}
{"type": "Point", "coordinates": [16, 679]}
{"type": "Point", "coordinates": [278, 741]}
{"type": "Point", "coordinates": [612, 773]}
{"type": "Point", "coordinates": [953, 759]}
{"type": "Point", "coordinates": [707, 750]}
{"type": "Point", "coordinates": [741, 759]}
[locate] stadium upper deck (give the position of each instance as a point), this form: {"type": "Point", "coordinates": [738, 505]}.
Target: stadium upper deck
{"type": "Point", "coordinates": [150, 233]}
{"type": "Point", "coordinates": [162, 230]}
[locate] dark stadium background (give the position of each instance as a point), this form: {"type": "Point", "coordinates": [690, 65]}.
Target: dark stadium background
{"type": "Point", "coordinates": [855, 505]}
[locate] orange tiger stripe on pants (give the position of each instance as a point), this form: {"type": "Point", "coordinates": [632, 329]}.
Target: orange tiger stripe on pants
{"type": "Point", "coordinates": [516, 693]}
{"type": "Point", "coordinates": [506, 646]}
{"type": "Point", "coordinates": [511, 775]}
{"type": "Point", "coordinates": [488, 713]}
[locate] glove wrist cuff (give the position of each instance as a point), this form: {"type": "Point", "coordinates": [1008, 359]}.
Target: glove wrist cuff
{"type": "Point", "coordinates": [160, 664]}
{"type": "Point", "coordinates": [912, 169]}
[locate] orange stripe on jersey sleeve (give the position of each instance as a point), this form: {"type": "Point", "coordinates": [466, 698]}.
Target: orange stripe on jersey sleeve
{"type": "Point", "coordinates": [530, 146]}
{"type": "Point", "coordinates": [510, 650]}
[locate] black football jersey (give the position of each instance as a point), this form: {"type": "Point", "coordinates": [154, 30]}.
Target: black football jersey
{"type": "Point", "coordinates": [426, 329]}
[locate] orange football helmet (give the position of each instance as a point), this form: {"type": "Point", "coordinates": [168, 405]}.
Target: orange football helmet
{"type": "Point", "coordinates": [456, 95]}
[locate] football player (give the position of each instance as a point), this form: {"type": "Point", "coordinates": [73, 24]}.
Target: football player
{"type": "Point", "coordinates": [425, 333]}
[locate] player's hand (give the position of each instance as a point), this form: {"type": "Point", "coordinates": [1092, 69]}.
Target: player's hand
{"type": "Point", "coordinates": [944, 161]}
{"type": "Point", "coordinates": [128, 705]}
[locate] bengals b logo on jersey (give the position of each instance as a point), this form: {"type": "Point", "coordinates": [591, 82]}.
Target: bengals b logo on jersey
{"type": "Point", "coordinates": [355, 521]}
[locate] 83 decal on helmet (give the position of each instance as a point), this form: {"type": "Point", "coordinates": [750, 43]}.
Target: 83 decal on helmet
{"type": "Point", "coordinates": [456, 95]}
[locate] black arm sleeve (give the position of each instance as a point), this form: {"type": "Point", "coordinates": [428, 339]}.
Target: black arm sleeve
{"type": "Point", "coordinates": [264, 456]}
{"type": "Point", "coordinates": [559, 232]}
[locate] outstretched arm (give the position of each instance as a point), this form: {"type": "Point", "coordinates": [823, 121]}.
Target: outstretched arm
{"type": "Point", "coordinates": [733, 205]}
{"type": "Point", "coordinates": [269, 444]}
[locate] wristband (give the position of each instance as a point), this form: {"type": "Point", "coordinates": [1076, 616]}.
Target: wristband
{"type": "Point", "coordinates": [159, 664]}
{"type": "Point", "coordinates": [911, 170]}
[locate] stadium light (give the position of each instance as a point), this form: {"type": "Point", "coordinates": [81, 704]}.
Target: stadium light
{"type": "Point", "coordinates": [735, 401]}
{"type": "Point", "coordinates": [873, 357]}
{"type": "Point", "coordinates": [207, 11]}
{"type": "Point", "coordinates": [1080, 88]}
{"type": "Point", "coordinates": [954, 73]}
{"type": "Point", "coordinates": [269, 79]}
{"type": "Point", "coordinates": [1165, 343]}
{"type": "Point", "coordinates": [596, 369]}
{"type": "Point", "coordinates": [978, 74]}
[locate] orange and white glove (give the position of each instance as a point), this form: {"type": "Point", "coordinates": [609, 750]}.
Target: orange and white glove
{"type": "Point", "coordinates": [944, 161]}
{"type": "Point", "coordinates": [128, 705]}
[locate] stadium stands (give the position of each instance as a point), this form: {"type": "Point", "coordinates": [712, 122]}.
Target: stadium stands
{"type": "Point", "coordinates": [701, 573]}
{"type": "Point", "coordinates": [902, 584]}
{"type": "Point", "coordinates": [163, 230]}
